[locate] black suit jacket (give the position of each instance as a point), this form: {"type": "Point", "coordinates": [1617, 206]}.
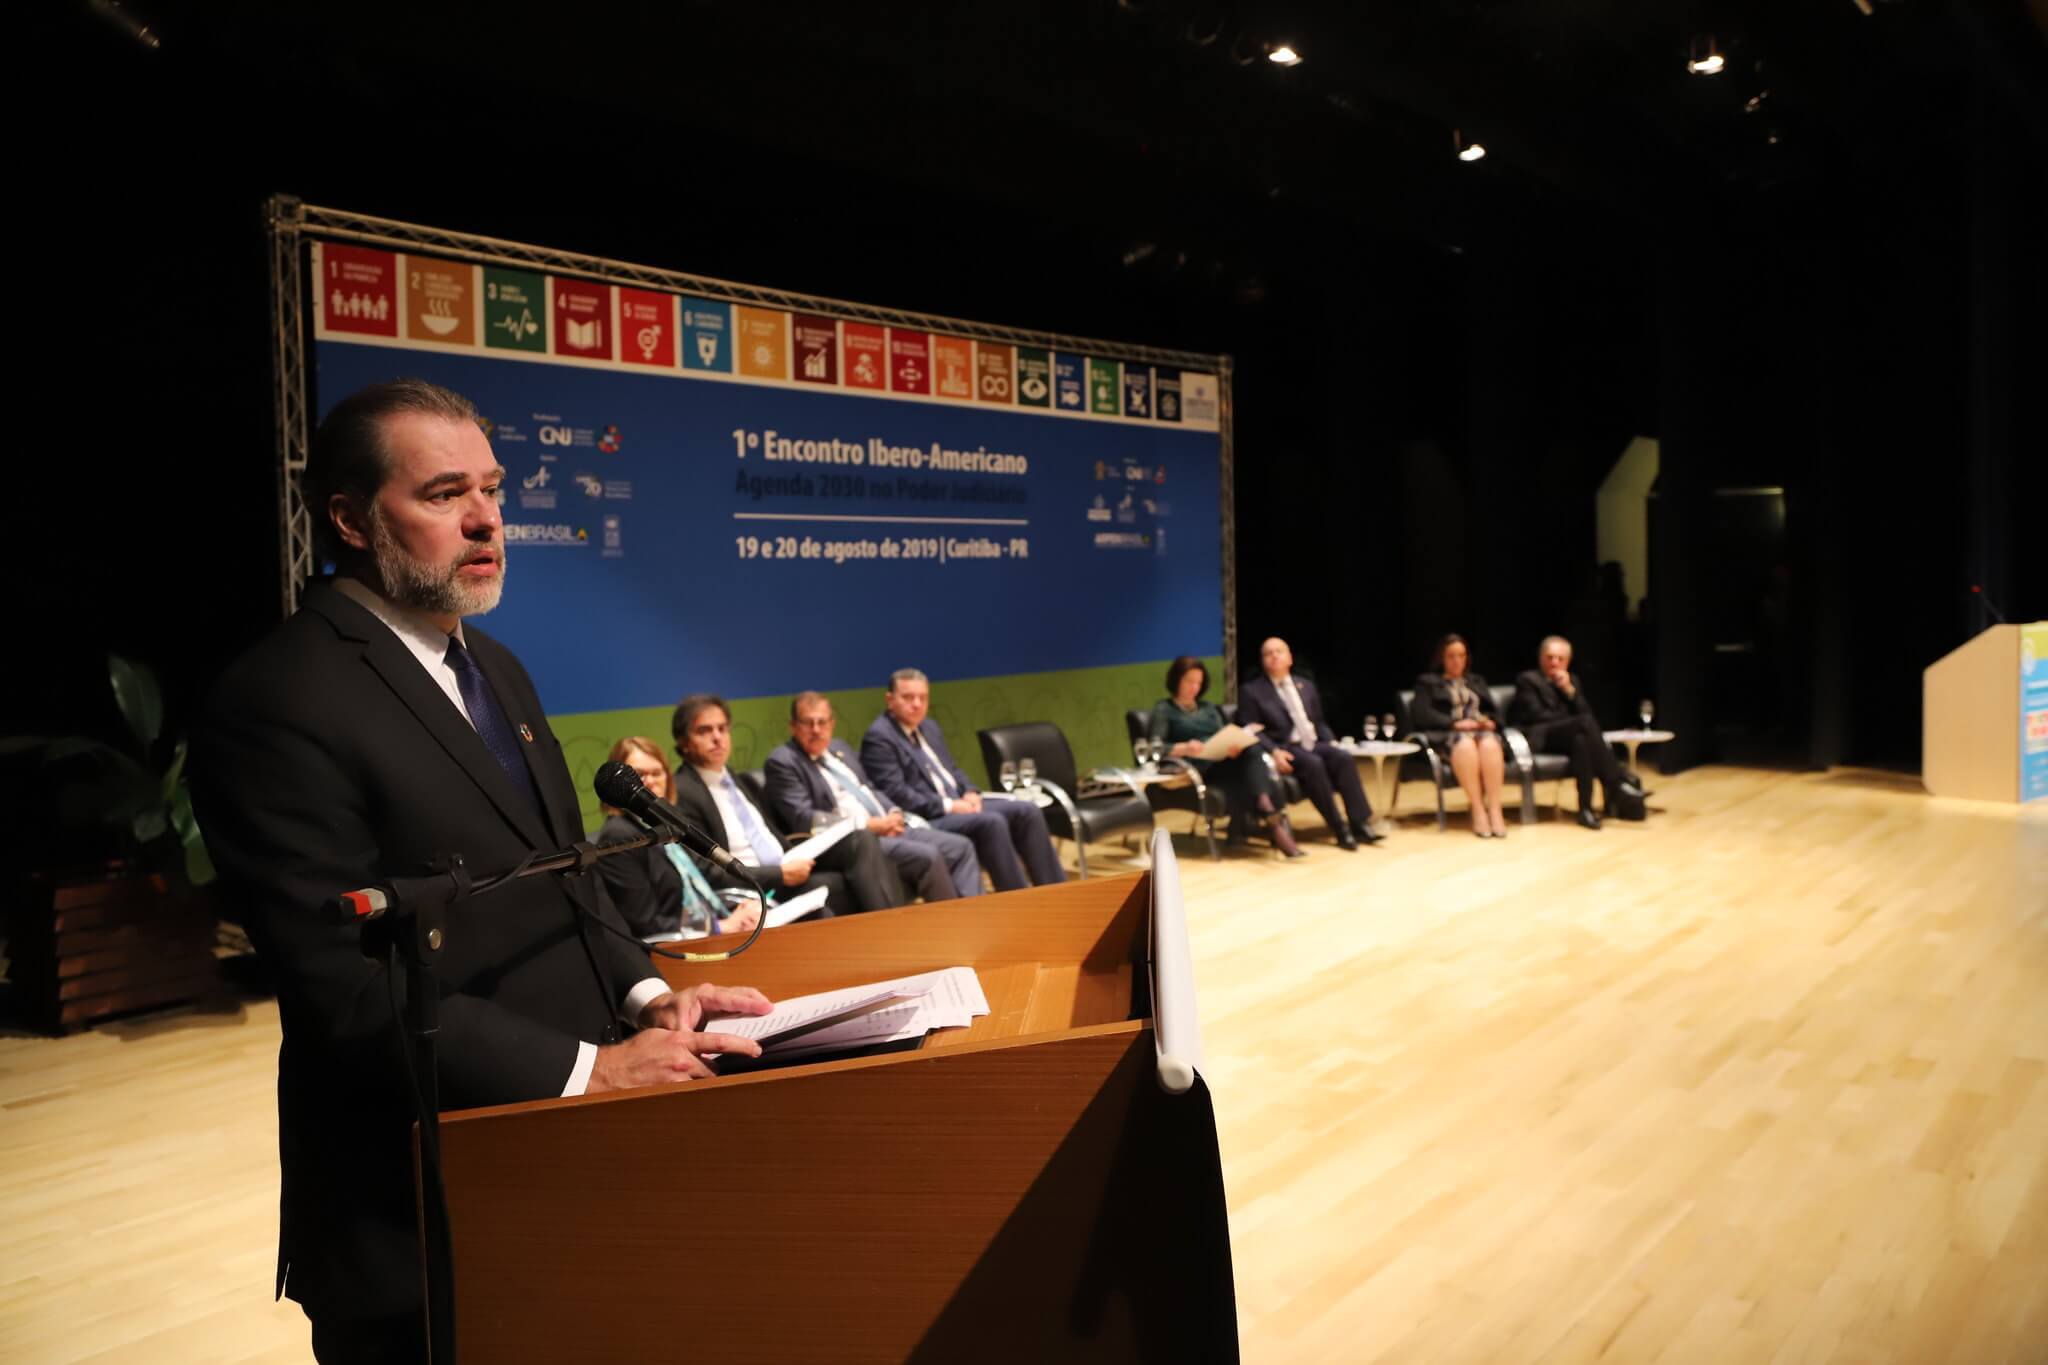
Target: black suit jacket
{"type": "Point", "coordinates": [855, 870]}
{"type": "Point", "coordinates": [327, 759]}
{"type": "Point", "coordinates": [1432, 708]}
{"type": "Point", "coordinates": [1259, 700]}
{"type": "Point", "coordinates": [643, 882]}
{"type": "Point", "coordinates": [1538, 702]}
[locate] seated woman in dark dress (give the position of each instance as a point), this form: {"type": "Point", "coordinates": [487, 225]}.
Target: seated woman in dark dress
{"type": "Point", "coordinates": [1182, 719]}
{"type": "Point", "coordinates": [661, 893]}
{"type": "Point", "coordinates": [1456, 714]}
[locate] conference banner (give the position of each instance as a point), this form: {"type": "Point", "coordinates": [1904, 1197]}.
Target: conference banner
{"type": "Point", "coordinates": [2034, 711]}
{"type": "Point", "coordinates": [705, 494]}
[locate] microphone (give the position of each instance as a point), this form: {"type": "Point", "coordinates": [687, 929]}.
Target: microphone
{"type": "Point", "coordinates": [1996, 615]}
{"type": "Point", "coordinates": [616, 784]}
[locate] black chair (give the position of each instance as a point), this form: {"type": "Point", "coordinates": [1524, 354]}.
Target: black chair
{"type": "Point", "coordinates": [1527, 766]}
{"type": "Point", "coordinates": [1196, 798]}
{"type": "Point", "coordinates": [1206, 804]}
{"type": "Point", "coordinates": [1082, 820]}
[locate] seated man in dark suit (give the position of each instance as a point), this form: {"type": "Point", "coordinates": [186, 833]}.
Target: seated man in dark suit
{"type": "Point", "coordinates": [816, 774]}
{"type": "Point", "coordinates": [855, 874]}
{"type": "Point", "coordinates": [1550, 707]}
{"type": "Point", "coordinates": [1302, 743]}
{"type": "Point", "coordinates": [907, 759]}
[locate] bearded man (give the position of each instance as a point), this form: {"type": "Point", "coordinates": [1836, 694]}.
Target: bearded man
{"type": "Point", "coordinates": [369, 735]}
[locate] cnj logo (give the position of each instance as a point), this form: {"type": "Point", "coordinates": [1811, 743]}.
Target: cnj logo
{"type": "Point", "coordinates": [523, 533]}
{"type": "Point", "coordinates": [557, 436]}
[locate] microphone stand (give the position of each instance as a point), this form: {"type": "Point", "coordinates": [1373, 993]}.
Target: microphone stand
{"type": "Point", "coordinates": [412, 928]}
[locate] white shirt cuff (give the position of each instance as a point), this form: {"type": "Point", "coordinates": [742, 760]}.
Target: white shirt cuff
{"type": "Point", "coordinates": [579, 1075]}
{"type": "Point", "coordinates": [650, 989]}
{"type": "Point", "coordinates": [643, 993]}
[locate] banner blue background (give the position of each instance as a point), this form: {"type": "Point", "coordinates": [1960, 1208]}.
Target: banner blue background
{"type": "Point", "coordinates": [657, 596]}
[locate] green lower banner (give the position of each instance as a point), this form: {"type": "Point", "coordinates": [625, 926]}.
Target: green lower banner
{"type": "Point", "coordinates": [1088, 705]}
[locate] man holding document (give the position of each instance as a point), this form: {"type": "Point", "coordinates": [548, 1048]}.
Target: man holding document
{"type": "Point", "coordinates": [852, 870]}
{"type": "Point", "coordinates": [816, 777]}
{"type": "Point", "coordinates": [1229, 756]}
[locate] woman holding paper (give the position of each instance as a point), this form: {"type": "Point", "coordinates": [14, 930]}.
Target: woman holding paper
{"type": "Point", "coordinates": [659, 890]}
{"type": "Point", "coordinates": [1183, 720]}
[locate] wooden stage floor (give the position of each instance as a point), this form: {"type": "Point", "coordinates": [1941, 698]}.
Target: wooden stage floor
{"type": "Point", "coordinates": [1760, 1080]}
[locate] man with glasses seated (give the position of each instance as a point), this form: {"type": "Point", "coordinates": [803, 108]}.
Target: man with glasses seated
{"type": "Point", "coordinates": [816, 776]}
{"type": "Point", "coordinates": [906, 756]}
{"type": "Point", "coordinates": [855, 874]}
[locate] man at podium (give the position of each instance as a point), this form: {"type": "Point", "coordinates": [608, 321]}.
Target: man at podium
{"type": "Point", "coordinates": [369, 735]}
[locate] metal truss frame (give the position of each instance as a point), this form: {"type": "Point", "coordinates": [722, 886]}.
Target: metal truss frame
{"type": "Point", "coordinates": [291, 222]}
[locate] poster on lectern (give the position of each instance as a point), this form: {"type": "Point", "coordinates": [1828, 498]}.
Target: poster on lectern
{"type": "Point", "coordinates": [2034, 711]}
{"type": "Point", "coordinates": [703, 494]}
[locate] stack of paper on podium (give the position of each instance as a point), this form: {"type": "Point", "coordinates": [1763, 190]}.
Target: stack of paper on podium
{"type": "Point", "coordinates": [860, 1016]}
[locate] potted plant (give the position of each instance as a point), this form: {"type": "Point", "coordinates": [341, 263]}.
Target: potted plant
{"type": "Point", "coordinates": [117, 921]}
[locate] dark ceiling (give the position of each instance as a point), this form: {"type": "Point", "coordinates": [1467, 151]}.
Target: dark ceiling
{"type": "Point", "coordinates": [1161, 119]}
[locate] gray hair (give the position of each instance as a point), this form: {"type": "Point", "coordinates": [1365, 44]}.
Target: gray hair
{"type": "Point", "coordinates": [904, 675]}
{"type": "Point", "coordinates": [1550, 640]}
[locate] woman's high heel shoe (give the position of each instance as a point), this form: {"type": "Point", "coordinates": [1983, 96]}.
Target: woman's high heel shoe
{"type": "Point", "coordinates": [1283, 838]}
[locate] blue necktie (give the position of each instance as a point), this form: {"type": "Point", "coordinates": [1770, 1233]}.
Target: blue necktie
{"type": "Point", "coordinates": [839, 774]}
{"type": "Point", "coordinates": [763, 843]}
{"type": "Point", "coordinates": [492, 725]}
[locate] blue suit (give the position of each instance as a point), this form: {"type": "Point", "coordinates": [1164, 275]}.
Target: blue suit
{"type": "Point", "coordinates": [936, 863]}
{"type": "Point", "coordinates": [1009, 836]}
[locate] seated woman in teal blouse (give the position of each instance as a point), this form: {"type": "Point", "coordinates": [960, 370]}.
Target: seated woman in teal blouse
{"type": "Point", "coordinates": [1182, 719]}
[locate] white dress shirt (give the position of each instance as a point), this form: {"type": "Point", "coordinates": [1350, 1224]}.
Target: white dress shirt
{"type": "Point", "coordinates": [1304, 733]}
{"type": "Point", "coordinates": [428, 643]}
{"type": "Point", "coordinates": [934, 771]}
{"type": "Point", "coordinates": [734, 834]}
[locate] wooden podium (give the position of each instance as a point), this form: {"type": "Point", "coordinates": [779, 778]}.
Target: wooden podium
{"type": "Point", "coordinates": [1026, 1189]}
{"type": "Point", "coordinates": [1970, 719]}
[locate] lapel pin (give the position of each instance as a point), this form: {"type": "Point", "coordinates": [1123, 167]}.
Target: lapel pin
{"type": "Point", "coordinates": [526, 734]}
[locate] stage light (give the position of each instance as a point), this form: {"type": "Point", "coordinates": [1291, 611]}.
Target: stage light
{"type": "Point", "coordinates": [1283, 54]}
{"type": "Point", "coordinates": [111, 11]}
{"type": "Point", "coordinates": [1706, 58]}
{"type": "Point", "coordinates": [1467, 151]}
{"type": "Point", "coordinates": [1755, 102]}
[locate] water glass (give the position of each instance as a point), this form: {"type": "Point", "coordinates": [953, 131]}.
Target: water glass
{"type": "Point", "coordinates": [1027, 772]}
{"type": "Point", "coordinates": [1387, 726]}
{"type": "Point", "coordinates": [1372, 728]}
{"type": "Point", "coordinates": [1007, 774]}
{"type": "Point", "coordinates": [822, 820]}
{"type": "Point", "coordinates": [1647, 711]}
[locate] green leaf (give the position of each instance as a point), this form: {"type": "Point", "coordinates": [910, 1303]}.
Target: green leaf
{"type": "Point", "coordinates": [23, 744]}
{"type": "Point", "coordinates": [174, 775]}
{"type": "Point", "coordinates": [198, 862]}
{"type": "Point", "coordinates": [140, 699]}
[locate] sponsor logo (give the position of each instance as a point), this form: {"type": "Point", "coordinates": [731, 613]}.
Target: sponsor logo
{"type": "Point", "coordinates": [542, 533]}
{"type": "Point", "coordinates": [1122, 540]}
{"type": "Point", "coordinates": [610, 442]}
{"type": "Point", "coordinates": [1099, 509]}
{"type": "Point", "coordinates": [537, 479]}
{"type": "Point", "coordinates": [612, 539]}
{"type": "Point", "coordinates": [592, 486]}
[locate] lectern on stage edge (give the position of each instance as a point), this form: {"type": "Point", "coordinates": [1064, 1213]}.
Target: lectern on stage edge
{"type": "Point", "coordinates": [1042, 1186]}
{"type": "Point", "coordinates": [1984, 717]}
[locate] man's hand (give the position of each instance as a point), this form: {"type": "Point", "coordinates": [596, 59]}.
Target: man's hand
{"type": "Point", "coordinates": [741, 918]}
{"type": "Point", "coordinates": [1234, 750]}
{"type": "Point", "coordinates": [1283, 760]}
{"type": "Point", "coordinates": [967, 803]}
{"type": "Point", "coordinates": [1486, 723]}
{"type": "Point", "coordinates": [683, 1010]}
{"type": "Point", "coordinates": [668, 1047]}
{"type": "Point", "coordinates": [796, 871]}
{"type": "Point", "coordinates": [887, 826]}
{"type": "Point", "coordinates": [1464, 725]}
{"type": "Point", "coordinates": [1562, 681]}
